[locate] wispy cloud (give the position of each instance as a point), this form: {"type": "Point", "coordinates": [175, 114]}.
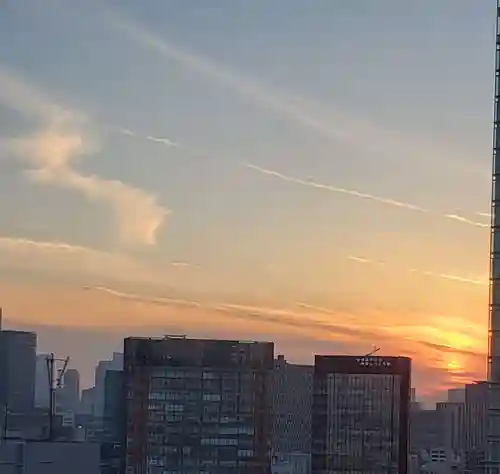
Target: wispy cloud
{"type": "Point", "coordinates": [425, 345]}
{"type": "Point", "coordinates": [57, 256]}
{"type": "Point", "coordinates": [53, 151]}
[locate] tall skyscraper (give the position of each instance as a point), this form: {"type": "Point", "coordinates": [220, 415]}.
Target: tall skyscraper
{"type": "Point", "coordinates": [361, 415]}
{"type": "Point", "coordinates": [17, 370]}
{"type": "Point", "coordinates": [197, 406]}
{"type": "Point", "coordinates": [291, 395]}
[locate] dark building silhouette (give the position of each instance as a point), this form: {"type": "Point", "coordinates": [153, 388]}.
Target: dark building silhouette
{"type": "Point", "coordinates": [361, 415]}
{"type": "Point", "coordinates": [17, 371]}
{"type": "Point", "coordinates": [197, 405]}
{"type": "Point", "coordinates": [114, 436]}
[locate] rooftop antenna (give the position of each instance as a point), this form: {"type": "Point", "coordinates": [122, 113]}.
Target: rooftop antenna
{"type": "Point", "coordinates": [55, 376]}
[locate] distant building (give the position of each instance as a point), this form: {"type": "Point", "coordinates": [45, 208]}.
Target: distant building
{"type": "Point", "coordinates": [114, 433]}
{"type": "Point", "coordinates": [17, 371]}
{"type": "Point", "coordinates": [116, 363]}
{"type": "Point", "coordinates": [197, 405]}
{"type": "Point", "coordinates": [360, 412]}
{"type": "Point", "coordinates": [114, 406]}
{"type": "Point", "coordinates": [69, 394]}
{"type": "Point", "coordinates": [36, 457]}
{"type": "Point", "coordinates": [456, 395]}
{"type": "Point", "coordinates": [87, 401]}
{"type": "Point", "coordinates": [291, 395]}
{"type": "Point", "coordinates": [427, 430]}
{"type": "Point", "coordinates": [41, 382]}
{"type": "Point", "coordinates": [453, 417]}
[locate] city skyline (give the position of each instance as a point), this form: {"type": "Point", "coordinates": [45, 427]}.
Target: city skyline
{"type": "Point", "coordinates": [318, 177]}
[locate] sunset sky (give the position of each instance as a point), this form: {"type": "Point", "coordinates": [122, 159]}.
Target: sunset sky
{"type": "Point", "coordinates": [315, 173]}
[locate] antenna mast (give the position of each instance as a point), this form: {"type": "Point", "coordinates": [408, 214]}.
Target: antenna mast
{"type": "Point", "coordinates": [492, 461]}
{"type": "Point", "coordinates": [55, 376]}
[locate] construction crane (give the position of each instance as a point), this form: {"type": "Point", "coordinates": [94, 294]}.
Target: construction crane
{"type": "Point", "coordinates": [375, 349]}
{"type": "Point", "coordinates": [55, 377]}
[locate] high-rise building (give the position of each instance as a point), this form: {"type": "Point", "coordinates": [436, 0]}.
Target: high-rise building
{"type": "Point", "coordinates": [291, 396]}
{"type": "Point", "coordinates": [17, 370]}
{"type": "Point", "coordinates": [116, 363]}
{"type": "Point", "coordinates": [453, 418]}
{"type": "Point", "coordinates": [68, 396]}
{"type": "Point", "coordinates": [42, 393]}
{"type": "Point", "coordinates": [113, 443]}
{"type": "Point", "coordinates": [361, 415]}
{"type": "Point", "coordinates": [197, 406]}
{"type": "Point", "coordinates": [87, 401]}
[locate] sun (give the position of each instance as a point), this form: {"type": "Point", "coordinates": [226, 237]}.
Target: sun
{"type": "Point", "coordinates": [453, 366]}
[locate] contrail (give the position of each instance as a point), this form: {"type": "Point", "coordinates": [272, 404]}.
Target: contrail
{"type": "Point", "coordinates": [162, 140]}
{"type": "Point", "coordinates": [313, 184]}
{"type": "Point", "coordinates": [428, 273]}
{"type": "Point", "coordinates": [465, 220]}
{"type": "Point", "coordinates": [360, 194]}
{"type": "Point", "coordinates": [327, 187]}
{"type": "Point", "coordinates": [144, 299]}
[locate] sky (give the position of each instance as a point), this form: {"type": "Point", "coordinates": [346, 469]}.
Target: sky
{"type": "Point", "coordinates": [314, 173]}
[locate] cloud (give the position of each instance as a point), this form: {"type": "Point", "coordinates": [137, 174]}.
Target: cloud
{"type": "Point", "coordinates": [296, 319]}
{"type": "Point", "coordinates": [56, 256]}
{"type": "Point", "coordinates": [52, 152]}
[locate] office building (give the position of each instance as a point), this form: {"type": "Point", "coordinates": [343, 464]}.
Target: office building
{"type": "Point", "coordinates": [87, 401]}
{"type": "Point", "coordinates": [17, 371]}
{"type": "Point", "coordinates": [38, 457]}
{"type": "Point", "coordinates": [197, 406]}
{"type": "Point", "coordinates": [361, 415]}
{"type": "Point", "coordinates": [116, 363]}
{"type": "Point", "coordinates": [70, 390]}
{"type": "Point", "coordinates": [453, 418]}
{"type": "Point", "coordinates": [291, 395]}
{"type": "Point", "coordinates": [114, 433]}
{"type": "Point", "coordinates": [42, 394]}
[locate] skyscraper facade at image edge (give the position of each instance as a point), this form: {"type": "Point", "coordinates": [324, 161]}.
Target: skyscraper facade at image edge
{"type": "Point", "coordinates": [360, 415]}
{"type": "Point", "coordinates": [17, 371]}
{"type": "Point", "coordinates": [197, 406]}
